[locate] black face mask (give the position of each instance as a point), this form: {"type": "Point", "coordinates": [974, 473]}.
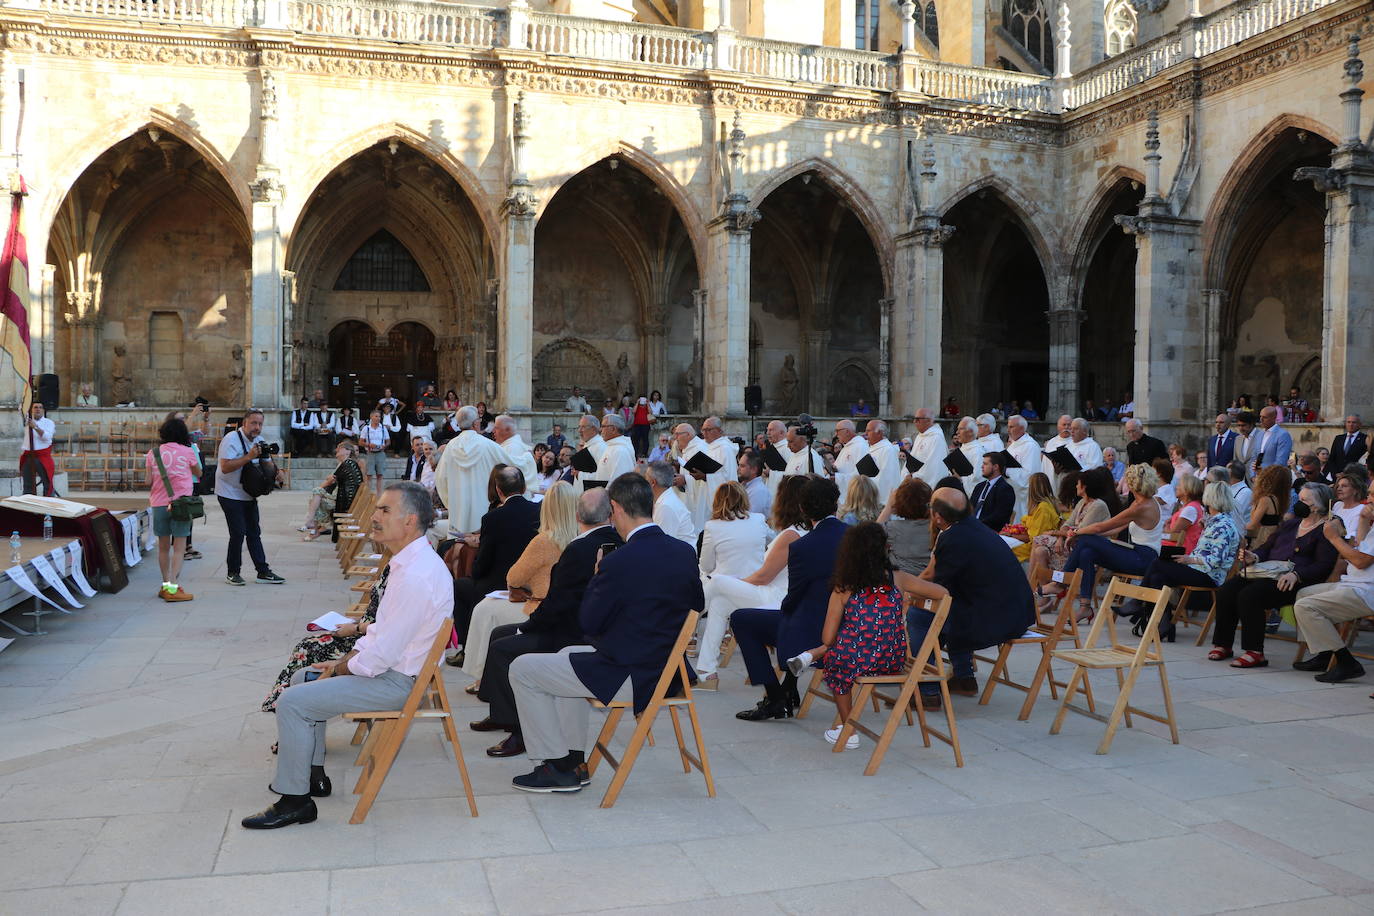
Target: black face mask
{"type": "Point", "coordinates": [1302, 509]}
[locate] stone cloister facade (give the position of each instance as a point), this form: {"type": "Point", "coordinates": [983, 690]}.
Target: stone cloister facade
{"type": "Point", "coordinates": [252, 201]}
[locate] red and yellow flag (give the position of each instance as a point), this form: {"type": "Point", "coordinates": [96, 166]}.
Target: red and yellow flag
{"type": "Point", "coordinates": [14, 297]}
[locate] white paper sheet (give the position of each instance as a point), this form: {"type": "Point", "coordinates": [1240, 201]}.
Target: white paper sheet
{"type": "Point", "coordinates": [79, 574]}
{"type": "Point", "coordinates": [131, 554]}
{"type": "Point", "coordinates": [21, 579]}
{"type": "Point", "coordinates": [1010, 542]}
{"type": "Point", "coordinates": [503, 594]}
{"type": "Point", "coordinates": [54, 578]}
{"type": "Point", "coordinates": [331, 621]}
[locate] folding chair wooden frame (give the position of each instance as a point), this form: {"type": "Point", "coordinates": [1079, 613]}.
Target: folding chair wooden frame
{"type": "Point", "coordinates": [386, 730]}
{"type": "Point", "coordinates": [1126, 661]}
{"type": "Point", "coordinates": [1047, 637]}
{"type": "Point", "coordinates": [675, 668]}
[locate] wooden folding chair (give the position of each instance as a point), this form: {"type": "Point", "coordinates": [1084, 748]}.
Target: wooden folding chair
{"type": "Point", "coordinates": [1125, 660]}
{"type": "Point", "coordinates": [675, 668]}
{"type": "Point", "coordinates": [1048, 637]}
{"type": "Point", "coordinates": [926, 666]}
{"type": "Point", "coordinates": [387, 730]}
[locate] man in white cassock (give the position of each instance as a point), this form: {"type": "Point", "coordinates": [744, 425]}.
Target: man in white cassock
{"type": "Point", "coordinates": [1061, 437]}
{"type": "Point", "coordinates": [929, 447]}
{"type": "Point", "coordinates": [887, 456]}
{"type": "Point", "coordinates": [852, 448]}
{"type": "Point", "coordinates": [589, 434]}
{"type": "Point", "coordinates": [966, 439]}
{"type": "Point", "coordinates": [1083, 446]}
{"type": "Point", "coordinates": [696, 490]}
{"type": "Point", "coordinates": [804, 459]}
{"type": "Point", "coordinates": [463, 471]}
{"type": "Point", "coordinates": [721, 449]}
{"type": "Point", "coordinates": [618, 454]}
{"type": "Point", "coordinates": [777, 437]}
{"type": "Point", "coordinates": [1027, 452]}
{"type": "Point", "coordinates": [518, 454]}
{"type": "Point", "coordinates": [986, 431]}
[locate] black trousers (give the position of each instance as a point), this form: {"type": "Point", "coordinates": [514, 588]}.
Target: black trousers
{"type": "Point", "coordinates": [466, 594]}
{"type": "Point", "coordinates": [1245, 601]}
{"type": "Point", "coordinates": [505, 647]}
{"type": "Point", "coordinates": [324, 444]}
{"type": "Point", "coordinates": [300, 441]}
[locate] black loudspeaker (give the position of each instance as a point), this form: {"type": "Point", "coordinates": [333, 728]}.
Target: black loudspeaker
{"type": "Point", "coordinates": [47, 390]}
{"type": "Point", "coordinates": [753, 400]}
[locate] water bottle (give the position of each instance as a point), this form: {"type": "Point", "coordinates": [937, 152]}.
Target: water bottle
{"type": "Point", "coordinates": [16, 549]}
{"type": "Point", "coordinates": [47, 527]}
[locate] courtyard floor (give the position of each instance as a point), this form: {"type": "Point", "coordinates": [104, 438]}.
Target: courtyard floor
{"type": "Point", "coordinates": [131, 744]}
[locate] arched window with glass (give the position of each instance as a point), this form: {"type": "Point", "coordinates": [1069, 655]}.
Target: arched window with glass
{"type": "Point", "coordinates": [866, 24]}
{"type": "Point", "coordinates": [1121, 27]}
{"type": "Point", "coordinates": [1029, 23]}
{"type": "Point", "coordinates": [927, 21]}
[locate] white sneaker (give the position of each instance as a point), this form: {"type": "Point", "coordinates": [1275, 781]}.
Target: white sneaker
{"type": "Point", "coordinates": [833, 734]}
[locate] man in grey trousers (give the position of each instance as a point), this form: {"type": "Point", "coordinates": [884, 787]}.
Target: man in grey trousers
{"type": "Point", "coordinates": [416, 599]}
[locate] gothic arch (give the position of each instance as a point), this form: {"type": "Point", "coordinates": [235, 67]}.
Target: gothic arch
{"type": "Point", "coordinates": [851, 194]}
{"type": "Point", "coordinates": [98, 142]}
{"type": "Point", "coordinates": [1024, 208]}
{"type": "Point", "coordinates": [650, 167]}
{"type": "Point", "coordinates": [550, 385]}
{"type": "Point", "coordinates": [1083, 231]}
{"type": "Point", "coordinates": [347, 148]}
{"type": "Point", "coordinates": [1220, 225]}
{"type": "Point", "coordinates": [839, 393]}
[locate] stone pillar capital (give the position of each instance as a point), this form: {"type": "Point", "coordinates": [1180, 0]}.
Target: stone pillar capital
{"type": "Point", "coordinates": [928, 232]}
{"type": "Point", "coordinates": [267, 189]}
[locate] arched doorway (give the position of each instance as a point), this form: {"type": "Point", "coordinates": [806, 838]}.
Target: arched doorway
{"type": "Point", "coordinates": [815, 287]}
{"type": "Point", "coordinates": [1106, 343]}
{"type": "Point", "coordinates": [996, 337]}
{"type": "Point", "coordinates": [363, 363]}
{"type": "Point", "coordinates": [615, 273]}
{"type": "Point", "coordinates": [151, 251]}
{"type": "Point", "coordinates": [1269, 260]}
{"type": "Point", "coordinates": [390, 239]}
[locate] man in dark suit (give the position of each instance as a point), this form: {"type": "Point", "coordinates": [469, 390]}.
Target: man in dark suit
{"type": "Point", "coordinates": [554, 624]}
{"type": "Point", "coordinates": [631, 615]}
{"type": "Point", "coordinates": [503, 536]}
{"type": "Point", "coordinates": [1140, 448]}
{"type": "Point", "coordinates": [415, 462]}
{"type": "Point", "coordinates": [797, 626]}
{"type": "Point", "coordinates": [1221, 448]}
{"type": "Point", "coordinates": [992, 600]}
{"type": "Point", "coordinates": [993, 498]}
{"type": "Point", "coordinates": [1347, 448]}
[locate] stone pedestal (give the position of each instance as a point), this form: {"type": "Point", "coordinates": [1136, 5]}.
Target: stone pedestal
{"type": "Point", "coordinates": [1168, 314]}
{"type": "Point", "coordinates": [263, 356]}
{"type": "Point", "coordinates": [917, 317]}
{"type": "Point", "coordinates": [726, 346]}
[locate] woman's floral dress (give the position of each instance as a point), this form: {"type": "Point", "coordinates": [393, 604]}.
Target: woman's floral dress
{"type": "Point", "coordinates": [322, 647]}
{"type": "Point", "coordinates": [872, 638]}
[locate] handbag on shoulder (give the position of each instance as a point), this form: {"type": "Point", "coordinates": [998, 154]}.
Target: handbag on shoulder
{"type": "Point", "coordinates": [182, 508]}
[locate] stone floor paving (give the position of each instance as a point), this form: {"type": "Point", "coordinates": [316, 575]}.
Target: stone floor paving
{"type": "Point", "coordinates": [131, 744]}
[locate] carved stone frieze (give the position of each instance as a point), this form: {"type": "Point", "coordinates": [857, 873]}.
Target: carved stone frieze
{"type": "Point", "coordinates": [634, 89]}
{"type": "Point", "coordinates": [134, 49]}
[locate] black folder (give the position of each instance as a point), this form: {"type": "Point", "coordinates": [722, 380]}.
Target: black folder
{"type": "Point", "coordinates": [1008, 460]}
{"type": "Point", "coordinates": [703, 463]}
{"type": "Point", "coordinates": [592, 484]}
{"type": "Point", "coordinates": [1063, 460]}
{"type": "Point", "coordinates": [773, 460]}
{"type": "Point", "coordinates": [913, 464]}
{"type": "Point", "coordinates": [867, 466]}
{"type": "Point", "coordinates": [582, 460]}
{"type": "Point", "coordinates": [958, 463]}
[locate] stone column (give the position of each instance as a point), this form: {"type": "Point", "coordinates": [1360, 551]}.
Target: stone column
{"type": "Point", "coordinates": [726, 340]}
{"type": "Point", "coordinates": [653, 331]}
{"type": "Point", "coordinates": [515, 289]}
{"type": "Point", "coordinates": [85, 344]}
{"type": "Point", "coordinates": [1065, 321]}
{"type": "Point", "coordinates": [918, 316]}
{"type": "Point", "coordinates": [263, 356]}
{"type": "Point", "coordinates": [815, 366]}
{"type": "Point", "coordinates": [1213, 304]}
{"type": "Point", "coordinates": [884, 356]}
{"type": "Point", "coordinates": [1168, 347]}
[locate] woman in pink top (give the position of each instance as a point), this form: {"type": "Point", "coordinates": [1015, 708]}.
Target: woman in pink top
{"type": "Point", "coordinates": [179, 460]}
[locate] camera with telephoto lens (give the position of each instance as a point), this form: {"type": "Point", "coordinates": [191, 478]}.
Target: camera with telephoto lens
{"type": "Point", "coordinates": [806, 427]}
{"type": "Point", "coordinates": [269, 448]}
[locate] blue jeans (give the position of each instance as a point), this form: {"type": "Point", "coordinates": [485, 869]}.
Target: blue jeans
{"type": "Point", "coordinates": [241, 515]}
{"type": "Point", "coordinates": [1093, 550]}
{"type": "Point", "coordinates": [918, 622]}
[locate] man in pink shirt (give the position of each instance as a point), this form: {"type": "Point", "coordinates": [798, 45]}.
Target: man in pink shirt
{"type": "Point", "coordinates": [416, 600]}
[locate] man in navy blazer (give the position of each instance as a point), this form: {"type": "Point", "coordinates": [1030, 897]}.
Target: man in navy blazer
{"type": "Point", "coordinates": [993, 499]}
{"type": "Point", "coordinates": [797, 626]}
{"type": "Point", "coordinates": [631, 615]}
{"type": "Point", "coordinates": [1221, 448]}
{"type": "Point", "coordinates": [991, 599]}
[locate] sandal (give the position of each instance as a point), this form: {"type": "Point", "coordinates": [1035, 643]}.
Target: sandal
{"type": "Point", "coordinates": [1085, 611]}
{"type": "Point", "coordinates": [471, 689]}
{"type": "Point", "coordinates": [1220, 653]}
{"type": "Point", "coordinates": [1250, 660]}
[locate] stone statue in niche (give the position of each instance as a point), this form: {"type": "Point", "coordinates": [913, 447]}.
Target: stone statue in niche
{"type": "Point", "coordinates": [122, 385]}
{"type": "Point", "coordinates": [624, 378]}
{"type": "Point", "coordinates": [236, 377]}
{"type": "Point", "coordinates": [787, 385]}
{"type": "Point", "coordinates": [689, 388]}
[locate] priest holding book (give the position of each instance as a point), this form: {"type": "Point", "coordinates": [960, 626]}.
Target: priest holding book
{"type": "Point", "coordinates": [618, 453]}
{"type": "Point", "coordinates": [852, 448]}
{"type": "Point", "coordinates": [928, 448]}
{"type": "Point", "coordinates": [887, 456]}
{"type": "Point", "coordinates": [700, 474]}
{"type": "Point", "coordinates": [588, 452]}
{"type": "Point", "coordinates": [776, 455]}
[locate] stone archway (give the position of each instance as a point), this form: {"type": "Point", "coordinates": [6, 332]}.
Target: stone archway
{"type": "Point", "coordinates": [566, 363]}
{"type": "Point", "coordinates": [363, 363]}
{"type": "Point", "coordinates": [1107, 337]}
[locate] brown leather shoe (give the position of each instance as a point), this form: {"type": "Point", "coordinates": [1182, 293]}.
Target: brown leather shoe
{"type": "Point", "coordinates": [487, 725]}
{"type": "Point", "coordinates": [931, 702]}
{"type": "Point", "coordinates": [964, 686]}
{"type": "Point", "coordinates": [513, 745]}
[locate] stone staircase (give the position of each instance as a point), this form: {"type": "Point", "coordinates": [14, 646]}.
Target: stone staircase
{"type": "Point", "coordinates": [307, 473]}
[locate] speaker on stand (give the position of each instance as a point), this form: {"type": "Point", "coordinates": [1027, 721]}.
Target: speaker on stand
{"type": "Point", "coordinates": [48, 387]}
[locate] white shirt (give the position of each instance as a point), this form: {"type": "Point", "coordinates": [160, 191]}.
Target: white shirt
{"type": "Point", "coordinates": [1362, 580]}
{"type": "Point", "coordinates": [228, 483]}
{"type": "Point", "coordinates": [658, 409]}
{"type": "Point", "coordinates": [1243, 497]}
{"type": "Point", "coordinates": [424, 432]}
{"type": "Point", "coordinates": [672, 516]}
{"type": "Point", "coordinates": [577, 404]}
{"type": "Point", "coordinates": [617, 457]}
{"type": "Point", "coordinates": [374, 437]}
{"type": "Point", "coordinates": [806, 461]}
{"type": "Point", "coordinates": [395, 404]}
{"type": "Point", "coordinates": [734, 547]}
{"type": "Point", "coordinates": [1168, 496]}
{"type": "Point", "coordinates": [521, 457]}
{"type": "Point", "coordinates": [40, 437]}
{"type": "Point", "coordinates": [775, 477]}
{"type": "Point", "coordinates": [417, 601]}
{"type": "Point", "coordinates": [303, 420]}
{"type": "Point", "coordinates": [346, 426]}
{"type": "Point", "coordinates": [597, 446]}
{"type": "Point", "coordinates": [1351, 517]}
{"type": "Point", "coordinates": [888, 457]}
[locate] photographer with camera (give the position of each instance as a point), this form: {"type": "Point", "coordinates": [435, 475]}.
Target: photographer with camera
{"type": "Point", "coordinates": [246, 472]}
{"type": "Point", "coordinates": [803, 458]}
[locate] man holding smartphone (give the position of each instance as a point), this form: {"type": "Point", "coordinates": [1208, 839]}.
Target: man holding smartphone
{"type": "Point", "coordinates": [415, 601]}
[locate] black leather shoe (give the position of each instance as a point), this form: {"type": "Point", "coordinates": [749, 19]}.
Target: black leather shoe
{"type": "Point", "coordinates": [764, 711]}
{"type": "Point", "coordinates": [511, 746]}
{"type": "Point", "coordinates": [1319, 662]}
{"type": "Point", "coordinates": [320, 786]}
{"type": "Point", "coordinates": [1341, 672]}
{"type": "Point", "coordinates": [964, 686]}
{"type": "Point", "coordinates": [487, 725]}
{"type": "Point", "coordinates": [279, 816]}
{"type": "Point", "coordinates": [455, 660]}
{"type": "Point", "coordinates": [793, 697]}
{"type": "Point", "coordinates": [931, 702]}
